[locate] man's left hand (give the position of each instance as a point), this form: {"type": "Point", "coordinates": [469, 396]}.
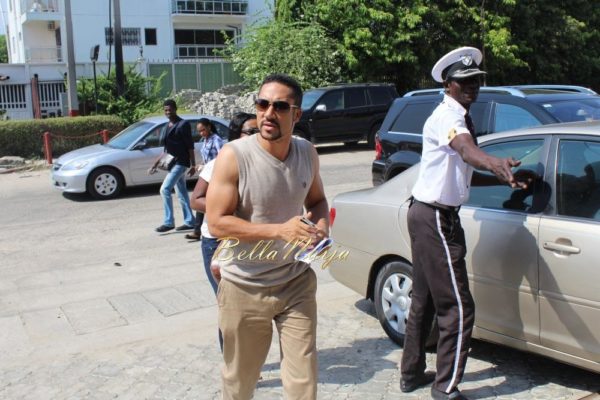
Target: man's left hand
{"type": "Point", "coordinates": [192, 171]}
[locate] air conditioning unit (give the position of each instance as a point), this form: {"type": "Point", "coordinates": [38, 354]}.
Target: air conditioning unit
{"type": "Point", "coordinates": [51, 25]}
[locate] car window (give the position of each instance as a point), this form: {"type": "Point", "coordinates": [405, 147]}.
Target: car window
{"type": "Point", "coordinates": [578, 179]}
{"type": "Point", "coordinates": [501, 196]}
{"type": "Point", "coordinates": [412, 117]}
{"type": "Point", "coordinates": [508, 116]}
{"type": "Point", "coordinates": [333, 100]}
{"type": "Point", "coordinates": [574, 110]}
{"type": "Point", "coordinates": [355, 97]}
{"type": "Point", "coordinates": [379, 95]}
{"type": "Point", "coordinates": [152, 138]}
{"type": "Point", "coordinates": [222, 130]}
{"type": "Point", "coordinates": [310, 97]}
{"type": "Point", "coordinates": [130, 134]}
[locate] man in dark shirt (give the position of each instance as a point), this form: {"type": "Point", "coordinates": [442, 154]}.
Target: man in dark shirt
{"type": "Point", "coordinates": [178, 142]}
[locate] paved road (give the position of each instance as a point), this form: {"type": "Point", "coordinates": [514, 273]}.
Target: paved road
{"type": "Point", "coordinates": [95, 305]}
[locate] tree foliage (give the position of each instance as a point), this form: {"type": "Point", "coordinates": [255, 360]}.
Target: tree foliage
{"type": "Point", "coordinates": [141, 96]}
{"type": "Point", "coordinates": [303, 50]}
{"type": "Point", "coordinates": [524, 41]}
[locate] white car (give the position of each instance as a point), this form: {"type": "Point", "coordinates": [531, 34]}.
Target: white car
{"type": "Point", "coordinates": [103, 170]}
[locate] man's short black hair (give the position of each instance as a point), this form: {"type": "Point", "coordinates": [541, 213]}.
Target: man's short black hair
{"type": "Point", "coordinates": [170, 103]}
{"type": "Point", "coordinates": [287, 81]}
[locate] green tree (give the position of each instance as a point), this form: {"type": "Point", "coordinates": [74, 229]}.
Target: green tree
{"type": "Point", "coordinates": [302, 50]}
{"type": "Point", "coordinates": [3, 50]}
{"type": "Point", "coordinates": [141, 96]}
{"type": "Point", "coordinates": [524, 41]}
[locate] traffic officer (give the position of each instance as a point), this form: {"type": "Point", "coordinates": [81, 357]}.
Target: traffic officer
{"type": "Point", "coordinates": [440, 283]}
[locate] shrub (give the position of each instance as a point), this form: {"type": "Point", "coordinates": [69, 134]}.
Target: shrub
{"type": "Point", "coordinates": [25, 138]}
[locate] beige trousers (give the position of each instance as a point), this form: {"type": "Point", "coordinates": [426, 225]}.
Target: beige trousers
{"type": "Point", "coordinates": [246, 315]}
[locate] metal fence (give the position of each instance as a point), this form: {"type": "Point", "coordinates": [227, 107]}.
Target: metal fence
{"type": "Point", "coordinates": [16, 99]}
{"type": "Point", "coordinates": [206, 77]}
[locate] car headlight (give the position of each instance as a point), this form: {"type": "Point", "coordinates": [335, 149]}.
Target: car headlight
{"type": "Point", "coordinates": [76, 165]}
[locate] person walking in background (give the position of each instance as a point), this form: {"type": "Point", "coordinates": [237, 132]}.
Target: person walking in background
{"type": "Point", "coordinates": [177, 141]}
{"type": "Point", "coordinates": [440, 282]}
{"type": "Point", "coordinates": [242, 125]}
{"type": "Point", "coordinates": [211, 144]}
{"type": "Point", "coordinates": [258, 190]}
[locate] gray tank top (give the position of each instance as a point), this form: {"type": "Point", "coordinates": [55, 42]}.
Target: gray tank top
{"type": "Point", "coordinates": [270, 191]}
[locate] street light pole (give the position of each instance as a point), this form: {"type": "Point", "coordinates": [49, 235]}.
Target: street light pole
{"type": "Point", "coordinates": [120, 75]}
{"type": "Point", "coordinates": [71, 75]}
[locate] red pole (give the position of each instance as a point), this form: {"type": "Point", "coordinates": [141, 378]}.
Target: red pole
{"type": "Point", "coordinates": [48, 147]}
{"type": "Point", "coordinates": [104, 133]}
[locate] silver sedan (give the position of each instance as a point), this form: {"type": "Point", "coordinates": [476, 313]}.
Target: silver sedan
{"type": "Point", "coordinates": [103, 170]}
{"type": "Point", "coordinates": [532, 255]}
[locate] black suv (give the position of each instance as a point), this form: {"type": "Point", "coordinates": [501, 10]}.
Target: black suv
{"type": "Point", "coordinates": [344, 113]}
{"type": "Point", "coordinates": [399, 141]}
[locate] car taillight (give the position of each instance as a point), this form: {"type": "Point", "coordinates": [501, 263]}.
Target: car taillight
{"type": "Point", "coordinates": [331, 216]}
{"type": "Point", "coordinates": [378, 149]}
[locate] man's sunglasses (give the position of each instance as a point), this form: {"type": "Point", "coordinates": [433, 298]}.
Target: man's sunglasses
{"type": "Point", "coordinates": [250, 131]}
{"type": "Point", "coordinates": [278, 105]}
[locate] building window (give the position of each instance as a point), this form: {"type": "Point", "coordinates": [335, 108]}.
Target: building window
{"type": "Point", "coordinates": [202, 36]}
{"type": "Point", "coordinates": [150, 36]}
{"type": "Point", "coordinates": [129, 36]}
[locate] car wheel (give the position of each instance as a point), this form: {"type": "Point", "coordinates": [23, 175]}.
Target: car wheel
{"type": "Point", "coordinates": [371, 137]}
{"type": "Point", "coordinates": [393, 292]}
{"type": "Point", "coordinates": [104, 183]}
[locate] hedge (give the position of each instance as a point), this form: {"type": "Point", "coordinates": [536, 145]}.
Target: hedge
{"type": "Point", "coordinates": [25, 138]}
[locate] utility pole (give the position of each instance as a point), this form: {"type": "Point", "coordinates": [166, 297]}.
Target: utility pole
{"type": "Point", "coordinates": [120, 75]}
{"type": "Point", "coordinates": [71, 75]}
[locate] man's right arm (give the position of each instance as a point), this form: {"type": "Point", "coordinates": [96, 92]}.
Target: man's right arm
{"type": "Point", "coordinates": [471, 154]}
{"type": "Point", "coordinates": [221, 202]}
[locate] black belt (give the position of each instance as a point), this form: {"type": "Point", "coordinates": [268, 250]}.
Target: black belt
{"type": "Point", "coordinates": [439, 206]}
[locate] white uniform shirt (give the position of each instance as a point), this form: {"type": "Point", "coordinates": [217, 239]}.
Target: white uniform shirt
{"type": "Point", "coordinates": [444, 177]}
{"type": "Point", "coordinates": [206, 174]}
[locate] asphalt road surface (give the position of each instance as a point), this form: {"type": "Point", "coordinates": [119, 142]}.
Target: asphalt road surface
{"type": "Point", "coordinates": [95, 305]}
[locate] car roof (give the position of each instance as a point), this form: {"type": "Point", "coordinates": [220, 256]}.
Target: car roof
{"type": "Point", "coordinates": [346, 85]}
{"type": "Point", "coordinates": [580, 128]}
{"type": "Point", "coordinates": [529, 91]}
{"type": "Point", "coordinates": [157, 119]}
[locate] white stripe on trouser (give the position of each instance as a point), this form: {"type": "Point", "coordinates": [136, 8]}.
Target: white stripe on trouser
{"type": "Point", "coordinates": [458, 300]}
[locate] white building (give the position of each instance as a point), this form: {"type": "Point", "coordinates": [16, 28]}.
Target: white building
{"type": "Point", "coordinates": [164, 30]}
{"type": "Point", "coordinates": [176, 37]}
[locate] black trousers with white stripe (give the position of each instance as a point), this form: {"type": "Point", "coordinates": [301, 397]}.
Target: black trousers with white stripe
{"type": "Point", "coordinates": [440, 289]}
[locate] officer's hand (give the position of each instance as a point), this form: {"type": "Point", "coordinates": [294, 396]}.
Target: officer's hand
{"type": "Point", "coordinates": [524, 177]}
{"type": "Point", "coordinates": [501, 167]}
{"type": "Point", "coordinates": [152, 170]}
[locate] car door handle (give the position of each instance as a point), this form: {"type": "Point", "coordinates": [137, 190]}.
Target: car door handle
{"type": "Point", "coordinates": [563, 248]}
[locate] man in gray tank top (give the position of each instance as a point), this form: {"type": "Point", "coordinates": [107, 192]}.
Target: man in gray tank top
{"type": "Point", "coordinates": [256, 199]}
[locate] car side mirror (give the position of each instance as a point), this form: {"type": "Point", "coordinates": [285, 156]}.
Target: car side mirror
{"type": "Point", "coordinates": [321, 107]}
{"type": "Point", "coordinates": [141, 145]}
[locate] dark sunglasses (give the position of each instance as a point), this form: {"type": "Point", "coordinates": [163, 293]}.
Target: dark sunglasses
{"type": "Point", "coordinates": [250, 131]}
{"type": "Point", "coordinates": [278, 105]}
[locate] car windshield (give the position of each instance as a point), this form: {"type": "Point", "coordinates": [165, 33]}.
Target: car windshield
{"type": "Point", "coordinates": [310, 98]}
{"type": "Point", "coordinates": [130, 134]}
{"type": "Point", "coordinates": [574, 110]}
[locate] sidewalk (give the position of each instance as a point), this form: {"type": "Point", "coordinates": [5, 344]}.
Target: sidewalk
{"type": "Point", "coordinates": [95, 305]}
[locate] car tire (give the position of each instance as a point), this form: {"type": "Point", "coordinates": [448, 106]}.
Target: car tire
{"type": "Point", "coordinates": [393, 292]}
{"type": "Point", "coordinates": [104, 183]}
{"type": "Point", "coordinates": [371, 137]}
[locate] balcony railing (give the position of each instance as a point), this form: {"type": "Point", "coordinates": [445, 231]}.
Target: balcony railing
{"type": "Point", "coordinates": [39, 6]}
{"type": "Point", "coordinates": [209, 7]}
{"type": "Point", "coordinates": [43, 54]}
{"type": "Point", "coordinates": [197, 51]}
